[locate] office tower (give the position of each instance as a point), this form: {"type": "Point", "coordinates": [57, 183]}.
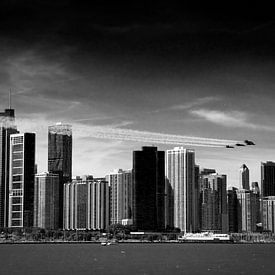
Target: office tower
{"type": "Point", "coordinates": [214, 203]}
{"type": "Point", "coordinates": [247, 211]}
{"type": "Point", "coordinates": [267, 179]}
{"type": "Point", "coordinates": [60, 158]}
{"type": "Point", "coordinates": [21, 183]}
{"type": "Point", "coordinates": [148, 188]}
{"type": "Point", "coordinates": [244, 177]}
{"type": "Point", "coordinates": [121, 202]}
{"type": "Point", "coordinates": [46, 201]}
{"type": "Point", "coordinates": [269, 214]}
{"type": "Point", "coordinates": [180, 172]}
{"type": "Point", "coordinates": [232, 210]}
{"type": "Point", "coordinates": [7, 127]}
{"type": "Point", "coordinates": [256, 191]}
{"type": "Point", "coordinates": [86, 205]}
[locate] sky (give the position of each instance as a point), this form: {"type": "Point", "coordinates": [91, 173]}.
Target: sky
{"type": "Point", "coordinates": [194, 71]}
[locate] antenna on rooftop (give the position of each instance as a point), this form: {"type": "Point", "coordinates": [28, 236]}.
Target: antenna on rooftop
{"type": "Point", "coordinates": [10, 99]}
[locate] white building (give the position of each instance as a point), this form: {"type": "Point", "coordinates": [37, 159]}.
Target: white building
{"type": "Point", "coordinates": [180, 189]}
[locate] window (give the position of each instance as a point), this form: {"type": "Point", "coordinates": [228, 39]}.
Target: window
{"type": "Point", "coordinates": [16, 223]}
{"type": "Point", "coordinates": [17, 200]}
{"type": "Point", "coordinates": [17, 163]}
{"type": "Point", "coordinates": [17, 147]}
{"type": "Point", "coordinates": [17, 178]}
{"type": "Point", "coordinates": [17, 170]}
{"type": "Point", "coordinates": [16, 208]}
{"type": "Point", "coordinates": [17, 185]}
{"type": "Point", "coordinates": [16, 215]}
{"type": "Point", "coordinates": [17, 155]}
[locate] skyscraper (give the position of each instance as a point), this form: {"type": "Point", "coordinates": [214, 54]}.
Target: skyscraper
{"type": "Point", "coordinates": [60, 158]}
{"type": "Point", "coordinates": [244, 177]}
{"type": "Point", "coordinates": [121, 191]}
{"type": "Point", "coordinates": [232, 210]}
{"type": "Point", "coordinates": [21, 182]}
{"type": "Point", "coordinates": [7, 127]}
{"type": "Point", "coordinates": [180, 173]}
{"type": "Point", "coordinates": [46, 201]}
{"type": "Point", "coordinates": [269, 214]}
{"type": "Point", "coordinates": [86, 205]}
{"type": "Point", "coordinates": [267, 179]}
{"type": "Point", "coordinates": [214, 203]}
{"type": "Point", "coordinates": [247, 211]}
{"type": "Point", "coordinates": [148, 188]}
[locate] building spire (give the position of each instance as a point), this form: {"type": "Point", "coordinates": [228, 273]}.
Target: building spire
{"type": "Point", "coordinates": [10, 99]}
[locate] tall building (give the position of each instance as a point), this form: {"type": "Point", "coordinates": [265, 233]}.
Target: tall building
{"type": "Point", "coordinates": [267, 179]}
{"type": "Point", "coordinates": [148, 188]}
{"type": "Point", "coordinates": [256, 191]}
{"type": "Point", "coordinates": [121, 191]}
{"type": "Point", "coordinates": [180, 173]}
{"type": "Point", "coordinates": [86, 205]}
{"type": "Point", "coordinates": [214, 203]}
{"type": "Point", "coordinates": [244, 177]}
{"type": "Point", "coordinates": [60, 158]}
{"type": "Point", "coordinates": [7, 127]}
{"type": "Point", "coordinates": [232, 210]}
{"type": "Point", "coordinates": [21, 182]}
{"type": "Point", "coordinates": [46, 201]}
{"type": "Point", "coordinates": [247, 210]}
{"type": "Point", "coordinates": [269, 214]}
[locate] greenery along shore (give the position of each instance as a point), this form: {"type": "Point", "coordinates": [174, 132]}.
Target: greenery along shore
{"type": "Point", "coordinates": [115, 233]}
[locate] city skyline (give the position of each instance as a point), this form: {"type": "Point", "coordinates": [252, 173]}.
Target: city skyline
{"type": "Point", "coordinates": [194, 74]}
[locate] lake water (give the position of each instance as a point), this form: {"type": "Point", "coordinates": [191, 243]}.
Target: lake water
{"type": "Point", "coordinates": [137, 259]}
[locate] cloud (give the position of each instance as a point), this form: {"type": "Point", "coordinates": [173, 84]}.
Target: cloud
{"type": "Point", "coordinates": [230, 119]}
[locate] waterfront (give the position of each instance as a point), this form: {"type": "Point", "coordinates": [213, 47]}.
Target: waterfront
{"type": "Point", "coordinates": [137, 259]}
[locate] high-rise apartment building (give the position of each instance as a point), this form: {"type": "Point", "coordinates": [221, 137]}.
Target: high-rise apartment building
{"type": "Point", "coordinates": [180, 173]}
{"type": "Point", "coordinates": [269, 214]}
{"type": "Point", "coordinates": [86, 205]}
{"type": "Point", "coordinates": [232, 210]}
{"type": "Point", "coordinates": [121, 195]}
{"type": "Point", "coordinates": [267, 179]}
{"type": "Point", "coordinates": [60, 158]}
{"type": "Point", "coordinates": [21, 182]}
{"type": "Point", "coordinates": [148, 188]}
{"type": "Point", "coordinates": [46, 201]}
{"type": "Point", "coordinates": [247, 210]}
{"type": "Point", "coordinates": [214, 203]}
{"type": "Point", "coordinates": [7, 127]}
{"type": "Point", "coordinates": [244, 177]}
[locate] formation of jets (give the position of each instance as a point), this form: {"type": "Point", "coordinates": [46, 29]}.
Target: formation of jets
{"type": "Point", "coordinates": [246, 142]}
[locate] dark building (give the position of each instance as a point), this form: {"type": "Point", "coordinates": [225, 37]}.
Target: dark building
{"type": "Point", "coordinates": [256, 191]}
{"type": "Point", "coordinates": [46, 201]}
{"type": "Point", "coordinates": [214, 204]}
{"type": "Point", "coordinates": [7, 127]}
{"type": "Point", "coordinates": [232, 210]}
{"type": "Point", "coordinates": [268, 179]}
{"type": "Point", "coordinates": [244, 177]}
{"type": "Point", "coordinates": [60, 158]}
{"type": "Point", "coordinates": [148, 188]}
{"type": "Point", "coordinates": [21, 183]}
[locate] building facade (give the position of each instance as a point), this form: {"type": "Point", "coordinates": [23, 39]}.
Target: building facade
{"type": "Point", "coordinates": [86, 205]}
{"type": "Point", "coordinates": [214, 203]}
{"type": "Point", "coordinates": [121, 195]}
{"type": "Point", "coordinates": [148, 189]}
{"type": "Point", "coordinates": [46, 201]}
{"type": "Point", "coordinates": [21, 182]}
{"type": "Point", "coordinates": [60, 158]}
{"type": "Point", "coordinates": [244, 177]}
{"type": "Point", "coordinates": [247, 211]}
{"type": "Point", "coordinates": [232, 210]}
{"type": "Point", "coordinates": [180, 174]}
{"type": "Point", "coordinates": [269, 214]}
{"type": "Point", "coordinates": [7, 128]}
{"type": "Point", "coordinates": [267, 179]}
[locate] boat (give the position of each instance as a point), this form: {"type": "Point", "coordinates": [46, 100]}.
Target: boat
{"type": "Point", "coordinates": [205, 237]}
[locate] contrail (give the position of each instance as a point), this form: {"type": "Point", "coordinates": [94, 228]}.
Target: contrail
{"type": "Point", "coordinates": [105, 132]}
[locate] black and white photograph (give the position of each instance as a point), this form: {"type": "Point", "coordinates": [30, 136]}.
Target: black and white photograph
{"type": "Point", "coordinates": [137, 137]}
